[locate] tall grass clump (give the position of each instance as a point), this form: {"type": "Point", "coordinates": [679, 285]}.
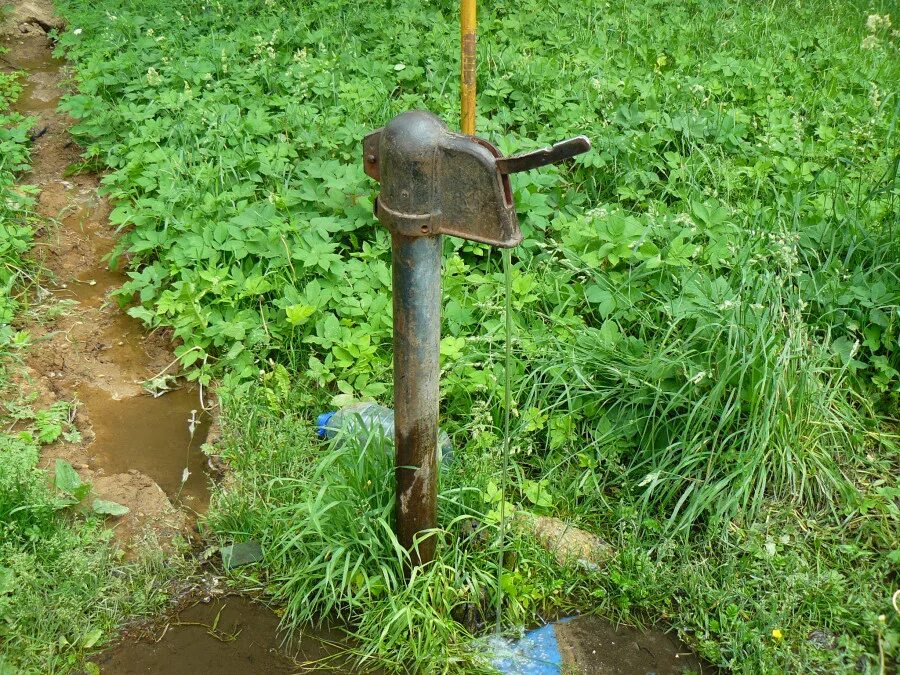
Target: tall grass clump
{"type": "Point", "coordinates": [331, 555]}
{"type": "Point", "coordinates": [714, 417]}
{"type": "Point", "coordinates": [342, 561]}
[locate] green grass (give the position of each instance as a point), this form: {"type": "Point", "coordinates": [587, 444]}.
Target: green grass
{"type": "Point", "coordinates": [705, 306]}
{"type": "Point", "coordinates": [324, 516]}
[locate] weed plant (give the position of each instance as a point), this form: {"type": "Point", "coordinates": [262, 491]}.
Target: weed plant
{"type": "Point", "coordinates": [705, 305]}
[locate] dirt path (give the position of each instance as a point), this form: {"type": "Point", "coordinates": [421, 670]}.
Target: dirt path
{"type": "Point", "coordinates": [135, 446]}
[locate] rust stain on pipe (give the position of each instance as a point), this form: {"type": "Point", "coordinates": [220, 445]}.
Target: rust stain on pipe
{"type": "Point", "coordinates": [417, 341]}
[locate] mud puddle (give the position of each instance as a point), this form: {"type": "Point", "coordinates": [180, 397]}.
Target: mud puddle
{"type": "Point", "coordinates": [591, 645]}
{"type": "Point", "coordinates": [231, 635]}
{"type": "Point", "coordinates": [40, 94]}
{"type": "Point", "coordinates": [159, 437]}
{"type": "Point", "coordinates": [141, 451]}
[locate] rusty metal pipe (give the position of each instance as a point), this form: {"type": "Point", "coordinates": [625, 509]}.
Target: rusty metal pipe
{"type": "Point", "coordinates": [417, 343]}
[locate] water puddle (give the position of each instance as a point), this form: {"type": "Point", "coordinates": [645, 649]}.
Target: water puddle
{"type": "Point", "coordinates": [160, 437]}
{"type": "Point", "coordinates": [230, 635]}
{"type": "Point", "coordinates": [88, 286]}
{"type": "Point", "coordinates": [591, 645]}
{"type": "Point", "coordinates": [40, 91]}
{"type": "Point", "coordinates": [152, 435]}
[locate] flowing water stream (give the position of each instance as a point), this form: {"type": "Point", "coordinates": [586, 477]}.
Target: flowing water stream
{"type": "Point", "coordinates": [93, 351]}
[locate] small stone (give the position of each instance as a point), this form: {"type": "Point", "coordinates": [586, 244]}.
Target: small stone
{"type": "Point", "coordinates": [822, 639]}
{"type": "Point", "coordinates": [569, 544]}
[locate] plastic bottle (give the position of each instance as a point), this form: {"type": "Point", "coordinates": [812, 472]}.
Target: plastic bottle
{"type": "Point", "coordinates": [360, 418]}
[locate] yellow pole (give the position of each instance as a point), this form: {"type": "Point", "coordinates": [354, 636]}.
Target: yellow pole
{"type": "Point", "coordinates": [467, 22]}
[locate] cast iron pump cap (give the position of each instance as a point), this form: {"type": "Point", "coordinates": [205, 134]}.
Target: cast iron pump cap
{"type": "Point", "coordinates": [434, 181]}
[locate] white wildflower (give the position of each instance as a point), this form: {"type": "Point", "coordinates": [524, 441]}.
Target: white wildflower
{"type": "Point", "coordinates": [876, 22]}
{"type": "Point", "coordinates": [870, 42]}
{"type": "Point", "coordinates": [874, 95]}
{"type": "Point", "coordinates": [77, 31]}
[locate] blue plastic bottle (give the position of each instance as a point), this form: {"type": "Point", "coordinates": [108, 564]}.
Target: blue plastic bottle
{"type": "Point", "coordinates": [360, 418]}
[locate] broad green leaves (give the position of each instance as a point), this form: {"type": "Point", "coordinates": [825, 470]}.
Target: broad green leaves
{"type": "Point", "coordinates": [67, 480]}
{"type": "Point", "coordinates": [74, 490]}
{"type": "Point", "coordinates": [299, 313]}
{"type": "Point", "coordinates": [235, 145]}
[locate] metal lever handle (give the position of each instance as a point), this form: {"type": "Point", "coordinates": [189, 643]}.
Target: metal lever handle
{"type": "Point", "coordinates": [532, 160]}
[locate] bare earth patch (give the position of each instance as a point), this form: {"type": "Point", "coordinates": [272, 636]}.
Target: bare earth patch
{"type": "Point", "coordinates": [34, 17]}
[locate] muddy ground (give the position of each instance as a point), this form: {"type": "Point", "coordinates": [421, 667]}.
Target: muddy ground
{"type": "Point", "coordinates": [85, 348]}
{"type": "Point", "coordinates": [231, 634]}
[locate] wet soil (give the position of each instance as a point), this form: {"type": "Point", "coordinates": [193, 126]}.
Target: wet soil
{"type": "Point", "coordinates": [136, 447]}
{"type": "Point", "coordinates": [591, 646]}
{"type": "Point", "coordinates": [587, 645]}
{"type": "Point", "coordinates": [228, 636]}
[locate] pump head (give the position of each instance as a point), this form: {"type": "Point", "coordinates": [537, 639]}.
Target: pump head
{"type": "Point", "coordinates": [434, 181]}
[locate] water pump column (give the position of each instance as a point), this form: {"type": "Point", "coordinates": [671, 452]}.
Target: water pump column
{"type": "Point", "coordinates": [434, 182]}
